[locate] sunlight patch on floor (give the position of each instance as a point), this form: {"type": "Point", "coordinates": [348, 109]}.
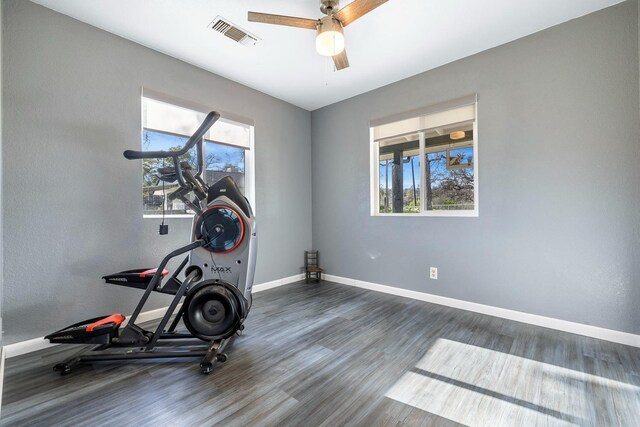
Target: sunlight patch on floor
{"type": "Point", "coordinates": [477, 386]}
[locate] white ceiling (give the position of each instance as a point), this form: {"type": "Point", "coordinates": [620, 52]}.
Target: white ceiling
{"type": "Point", "coordinates": [399, 39]}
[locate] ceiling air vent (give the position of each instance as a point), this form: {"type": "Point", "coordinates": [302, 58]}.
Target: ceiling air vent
{"type": "Point", "coordinates": [235, 33]}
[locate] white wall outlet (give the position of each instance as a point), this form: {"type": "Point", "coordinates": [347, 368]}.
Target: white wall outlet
{"type": "Point", "coordinates": [433, 273]}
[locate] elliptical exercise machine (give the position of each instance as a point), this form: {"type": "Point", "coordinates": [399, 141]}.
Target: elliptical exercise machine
{"type": "Point", "coordinates": [219, 271]}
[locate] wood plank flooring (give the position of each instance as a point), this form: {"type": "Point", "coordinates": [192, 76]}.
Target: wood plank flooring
{"type": "Point", "coordinates": [330, 355]}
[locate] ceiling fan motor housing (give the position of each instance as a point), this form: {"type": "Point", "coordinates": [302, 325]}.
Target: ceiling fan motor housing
{"type": "Point", "coordinates": [329, 23]}
{"type": "Point", "coordinates": [329, 6]}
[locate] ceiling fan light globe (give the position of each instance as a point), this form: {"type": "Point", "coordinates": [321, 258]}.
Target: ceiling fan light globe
{"type": "Point", "coordinates": [330, 38]}
{"type": "Point", "coordinates": [329, 43]}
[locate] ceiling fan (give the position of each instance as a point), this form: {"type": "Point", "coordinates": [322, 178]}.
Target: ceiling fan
{"type": "Point", "coordinates": [330, 36]}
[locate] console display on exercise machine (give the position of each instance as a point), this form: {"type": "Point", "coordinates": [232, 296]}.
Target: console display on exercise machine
{"type": "Point", "coordinates": [221, 228]}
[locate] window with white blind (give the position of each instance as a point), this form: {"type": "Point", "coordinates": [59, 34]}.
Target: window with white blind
{"type": "Point", "coordinates": [228, 150]}
{"type": "Point", "coordinates": [424, 162]}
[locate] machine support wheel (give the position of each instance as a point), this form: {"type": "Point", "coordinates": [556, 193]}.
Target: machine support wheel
{"type": "Point", "coordinates": [222, 357]}
{"type": "Point", "coordinates": [63, 368]}
{"type": "Point", "coordinates": [206, 368]}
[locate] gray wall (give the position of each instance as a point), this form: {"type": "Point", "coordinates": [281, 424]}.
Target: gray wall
{"type": "Point", "coordinates": [558, 231]}
{"type": "Point", "coordinates": [1, 192]}
{"type": "Point", "coordinates": [72, 203]}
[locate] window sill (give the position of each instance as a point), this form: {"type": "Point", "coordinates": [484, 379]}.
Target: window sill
{"type": "Point", "coordinates": [438, 214]}
{"type": "Point", "coordinates": [168, 216]}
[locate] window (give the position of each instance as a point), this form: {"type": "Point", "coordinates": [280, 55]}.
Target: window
{"type": "Point", "coordinates": [228, 151]}
{"type": "Point", "coordinates": [424, 163]}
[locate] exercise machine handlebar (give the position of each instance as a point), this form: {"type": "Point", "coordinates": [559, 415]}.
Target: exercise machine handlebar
{"type": "Point", "coordinates": [174, 155]}
{"type": "Point", "coordinates": [211, 118]}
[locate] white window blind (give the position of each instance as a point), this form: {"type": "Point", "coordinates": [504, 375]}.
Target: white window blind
{"type": "Point", "coordinates": [163, 117]}
{"type": "Point", "coordinates": [454, 111]}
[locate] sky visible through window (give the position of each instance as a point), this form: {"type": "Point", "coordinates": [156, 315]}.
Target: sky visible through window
{"type": "Point", "coordinates": [406, 172]}
{"type": "Point", "coordinates": [223, 155]}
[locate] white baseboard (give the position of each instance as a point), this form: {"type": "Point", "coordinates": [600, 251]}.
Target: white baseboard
{"type": "Point", "coordinates": [24, 347]}
{"type": "Point", "coordinates": [151, 314]}
{"type": "Point", "coordinates": [533, 319]}
{"type": "Point", "coordinates": [276, 283]}
{"type": "Point", "coordinates": [2, 355]}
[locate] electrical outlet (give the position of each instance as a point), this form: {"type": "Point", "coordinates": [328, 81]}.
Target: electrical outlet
{"type": "Point", "coordinates": [433, 273]}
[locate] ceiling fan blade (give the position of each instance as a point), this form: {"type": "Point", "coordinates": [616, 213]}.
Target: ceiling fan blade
{"type": "Point", "coordinates": [289, 21]}
{"type": "Point", "coordinates": [356, 9]}
{"type": "Point", "coordinates": [340, 60]}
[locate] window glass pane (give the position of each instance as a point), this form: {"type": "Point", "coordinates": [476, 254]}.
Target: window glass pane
{"type": "Point", "coordinates": [224, 160]}
{"type": "Point", "coordinates": [399, 175]}
{"type": "Point", "coordinates": [442, 180]}
{"type": "Point", "coordinates": [167, 127]}
{"type": "Point", "coordinates": [152, 193]}
{"type": "Point", "coordinates": [449, 176]}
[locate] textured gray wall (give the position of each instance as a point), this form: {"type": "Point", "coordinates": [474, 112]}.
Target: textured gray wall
{"type": "Point", "coordinates": [1, 210]}
{"type": "Point", "coordinates": [558, 231]}
{"type": "Point", "coordinates": [72, 202]}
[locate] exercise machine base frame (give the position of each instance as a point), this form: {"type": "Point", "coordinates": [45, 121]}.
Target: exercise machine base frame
{"type": "Point", "coordinates": [143, 344]}
{"type": "Point", "coordinates": [210, 354]}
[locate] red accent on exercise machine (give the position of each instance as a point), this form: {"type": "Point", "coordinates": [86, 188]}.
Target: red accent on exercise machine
{"type": "Point", "coordinates": [151, 272]}
{"type": "Point", "coordinates": [116, 319]}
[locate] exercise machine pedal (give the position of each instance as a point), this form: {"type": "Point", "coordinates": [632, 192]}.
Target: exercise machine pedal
{"type": "Point", "coordinates": [99, 330]}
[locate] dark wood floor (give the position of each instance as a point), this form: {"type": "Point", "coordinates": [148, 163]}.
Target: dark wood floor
{"type": "Point", "coordinates": [333, 355]}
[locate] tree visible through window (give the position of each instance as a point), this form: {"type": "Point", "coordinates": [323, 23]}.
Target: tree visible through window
{"type": "Point", "coordinates": [449, 188]}
{"type": "Point", "coordinates": [400, 163]}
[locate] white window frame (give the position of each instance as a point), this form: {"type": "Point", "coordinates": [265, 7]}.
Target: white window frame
{"type": "Point", "coordinates": [249, 157]}
{"type": "Point", "coordinates": [374, 172]}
